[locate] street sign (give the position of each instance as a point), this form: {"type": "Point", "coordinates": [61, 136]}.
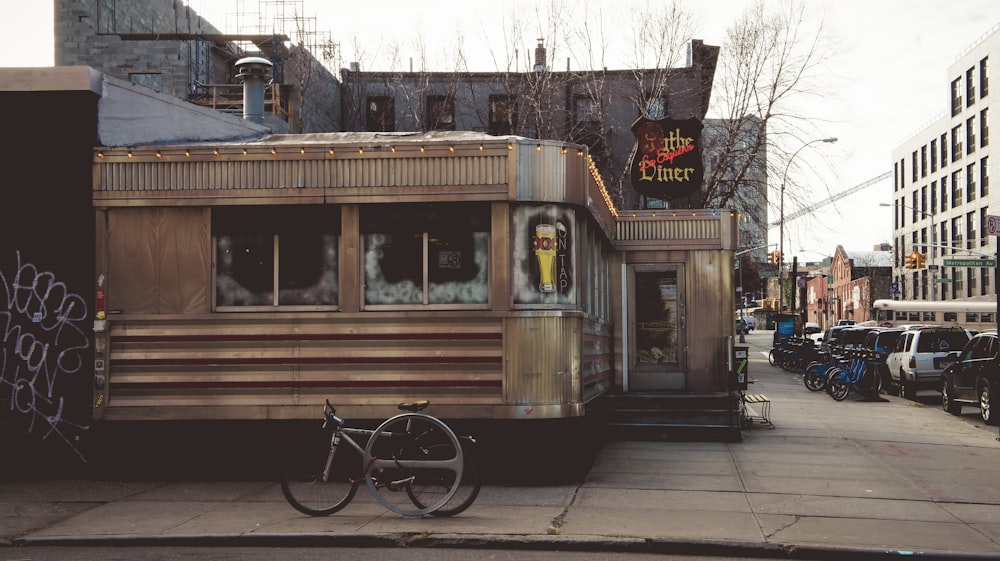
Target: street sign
{"type": "Point", "coordinates": [970, 262]}
{"type": "Point", "coordinates": [993, 225]}
{"type": "Point", "coordinates": [765, 274]}
{"type": "Point", "coordinates": [939, 281]}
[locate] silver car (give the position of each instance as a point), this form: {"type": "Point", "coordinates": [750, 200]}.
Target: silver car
{"type": "Point", "coordinates": [919, 357]}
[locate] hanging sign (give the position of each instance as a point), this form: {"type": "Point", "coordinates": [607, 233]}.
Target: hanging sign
{"type": "Point", "coordinates": [666, 161]}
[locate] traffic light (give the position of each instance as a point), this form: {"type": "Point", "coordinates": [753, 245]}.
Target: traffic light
{"type": "Point", "coordinates": [912, 259]}
{"type": "Point", "coordinates": [770, 258]}
{"type": "Point", "coordinates": [774, 258]}
{"type": "Point", "coordinates": [921, 260]}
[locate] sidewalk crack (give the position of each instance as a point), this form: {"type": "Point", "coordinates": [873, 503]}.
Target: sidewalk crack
{"type": "Point", "coordinates": [555, 527]}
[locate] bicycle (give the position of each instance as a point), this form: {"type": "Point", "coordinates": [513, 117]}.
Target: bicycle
{"type": "Point", "coordinates": [856, 373]}
{"type": "Point", "coordinates": [413, 464]}
{"type": "Point", "coordinates": [815, 375]}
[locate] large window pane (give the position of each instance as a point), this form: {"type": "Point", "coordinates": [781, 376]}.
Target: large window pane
{"type": "Point", "coordinates": [432, 254]}
{"type": "Point", "coordinates": [276, 256]}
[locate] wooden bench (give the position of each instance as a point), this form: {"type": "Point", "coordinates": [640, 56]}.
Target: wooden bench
{"type": "Point", "coordinates": [755, 401]}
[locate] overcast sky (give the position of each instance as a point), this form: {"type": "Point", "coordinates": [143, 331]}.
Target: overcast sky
{"type": "Point", "coordinates": [886, 77]}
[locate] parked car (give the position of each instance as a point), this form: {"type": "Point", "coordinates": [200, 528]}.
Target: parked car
{"type": "Point", "coordinates": [919, 358]}
{"type": "Point", "coordinates": [846, 322]}
{"type": "Point", "coordinates": [811, 327]}
{"type": "Point", "coordinates": [750, 321]}
{"type": "Point", "coordinates": [880, 342]}
{"type": "Point", "coordinates": [831, 337]}
{"type": "Point", "coordinates": [741, 327]}
{"type": "Point", "coordinates": [973, 378]}
{"type": "Point", "coordinates": [853, 336]}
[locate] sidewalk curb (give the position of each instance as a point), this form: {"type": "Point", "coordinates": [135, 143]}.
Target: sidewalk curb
{"type": "Point", "coordinates": [596, 544]}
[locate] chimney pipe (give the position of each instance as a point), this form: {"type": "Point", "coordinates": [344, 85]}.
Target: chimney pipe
{"type": "Point", "coordinates": [540, 55]}
{"type": "Point", "coordinates": [253, 71]}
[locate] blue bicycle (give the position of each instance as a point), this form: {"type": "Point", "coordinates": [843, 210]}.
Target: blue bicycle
{"type": "Point", "coordinates": [856, 373]}
{"type": "Point", "coordinates": [815, 374]}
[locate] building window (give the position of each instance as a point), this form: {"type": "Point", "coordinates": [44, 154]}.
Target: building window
{"type": "Point", "coordinates": [656, 107]}
{"type": "Point", "coordinates": [933, 197]}
{"type": "Point", "coordinates": [381, 114]}
{"type": "Point", "coordinates": [970, 230]}
{"type": "Point", "coordinates": [933, 155]}
{"type": "Point", "coordinates": [419, 255]}
{"type": "Point", "coordinates": [275, 256]}
{"type": "Point", "coordinates": [914, 167]}
{"type": "Point", "coordinates": [984, 177]}
{"type": "Point", "coordinates": [984, 77]}
{"type": "Point", "coordinates": [923, 161]}
{"type": "Point", "coordinates": [956, 96]}
{"type": "Point", "coordinates": [956, 188]}
{"type": "Point", "coordinates": [970, 182]}
{"type": "Point", "coordinates": [957, 230]}
{"type": "Point", "coordinates": [970, 86]}
{"type": "Point", "coordinates": [440, 113]}
{"type": "Point", "coordinates": [983, 218]}
{"type": "Point", "coordinates": [944, 193]}
{"type": "Point", "coordinates": [970, 135]}
{"type": "Point", "coordinates": [503, 114]}
{"type": "Point", "coordinates": [151, 80]}
{"type": "Point", "coordinates": [585, 109]}
{"type": "Point", "coordinates": [984, 128]}
{"type": "Point", "coordinates": [956, 143]}
{"type": "Point", "coordinates": [944, 149]}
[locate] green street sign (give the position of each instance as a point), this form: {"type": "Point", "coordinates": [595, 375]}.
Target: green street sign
{"type": "Point", "coordinates": [970, 262]}
{"type": "Point", "coordinates": [766, 274]}
{"type": "Point", "coordinates": [939, 281]}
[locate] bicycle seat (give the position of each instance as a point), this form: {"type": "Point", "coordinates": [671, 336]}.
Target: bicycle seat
{"type": "Point", "coordinates": [413, 406]}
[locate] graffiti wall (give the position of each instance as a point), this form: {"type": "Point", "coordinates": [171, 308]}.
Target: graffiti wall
{"type": "Point", "coordinates": [47, 264]}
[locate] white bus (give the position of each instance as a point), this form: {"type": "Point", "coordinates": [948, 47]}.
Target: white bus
{"type": "Point", "coordinates": [974, 315]}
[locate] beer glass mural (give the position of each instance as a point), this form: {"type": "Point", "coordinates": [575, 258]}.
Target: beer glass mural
{"type": "Point", "coordinates": [543, 255]}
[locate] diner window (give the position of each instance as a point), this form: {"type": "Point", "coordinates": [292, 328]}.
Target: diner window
{"type": "Point", "coordinates": [426, 255]}
{"type": "Point", "coordinates": [503, 114]}
{"type": "Point", "coordinates": [440, 114]}
{"type": "Point", "coordinates": [381, 114]}
{"type": "Point", "coordinates": [275, 256]}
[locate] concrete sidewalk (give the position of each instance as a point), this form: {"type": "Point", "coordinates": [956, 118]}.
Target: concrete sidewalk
{"type": "Point", "coordinates": [881, 478]}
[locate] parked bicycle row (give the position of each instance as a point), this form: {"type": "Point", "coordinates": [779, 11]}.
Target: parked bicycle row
{"type": "Point", "coordinates": [957, 363]}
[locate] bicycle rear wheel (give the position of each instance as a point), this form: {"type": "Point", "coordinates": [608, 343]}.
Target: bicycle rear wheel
{"type": "Point", "coordinates": [413, 454]}
{"type": "Point", "coordinates": [313, 489]}
{"type": "Point", "coordinates": [814, 377]}
{"type": "Point", "coordinates": [430, 492]}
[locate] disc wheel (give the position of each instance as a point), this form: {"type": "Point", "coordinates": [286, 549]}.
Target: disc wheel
{"type": "Point", "coordinates": [414, 464]}
{"type": "Point", "coordinates": [313, 489]}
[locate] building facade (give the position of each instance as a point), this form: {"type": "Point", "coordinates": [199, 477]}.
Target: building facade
{"type": "Point", "coordinates": [941, 189]}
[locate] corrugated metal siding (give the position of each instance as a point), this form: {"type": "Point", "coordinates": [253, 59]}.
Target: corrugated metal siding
{"type": "Point", "coordinates": [386, 172]}
{"type": "Point", "coordinates": [286, 365]}
{"type": "Point", "coordinates": [541, 174]}
{"type": "Point", "coordinates": [543, 360]}
{"type": "Point", "coordinates": [663, 228]}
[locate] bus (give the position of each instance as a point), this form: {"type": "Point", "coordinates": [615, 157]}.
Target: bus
{"type": "Point", "coordinates": [973, 315]}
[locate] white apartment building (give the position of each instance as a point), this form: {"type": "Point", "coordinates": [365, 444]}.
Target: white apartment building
{"type": "Point", "coordinates": [941, 189]}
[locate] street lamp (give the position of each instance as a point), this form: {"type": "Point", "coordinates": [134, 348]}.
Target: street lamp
{"type": "Point", "coordinates": [781, 222]}
{"type": "Point", "coordinates": [933, 289]}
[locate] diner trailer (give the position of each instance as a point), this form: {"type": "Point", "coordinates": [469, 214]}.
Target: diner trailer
{"type": "Point", "coordinates": [493, 276]}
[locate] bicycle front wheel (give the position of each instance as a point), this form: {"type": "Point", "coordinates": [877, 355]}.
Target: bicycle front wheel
{"type": "Point", "coordinates": [413, 455]}
{"type": "Point", "coordinates": [319, 480]}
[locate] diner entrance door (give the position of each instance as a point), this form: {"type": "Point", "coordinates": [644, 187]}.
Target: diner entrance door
{"type": "Point", "coordinates": [656, 328]}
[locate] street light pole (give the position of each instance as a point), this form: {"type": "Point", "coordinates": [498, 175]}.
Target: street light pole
{"type": "Point", "coordinates": [933, 289]}
{"type": "Point", "coordinates": [781, 222]}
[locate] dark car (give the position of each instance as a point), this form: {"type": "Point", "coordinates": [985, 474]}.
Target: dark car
{"type": "Point", "coordinates": [973, 378]}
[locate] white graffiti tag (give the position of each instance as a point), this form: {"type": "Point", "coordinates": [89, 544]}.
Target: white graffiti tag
{"type": "Point", "coordinates": [41, 340]}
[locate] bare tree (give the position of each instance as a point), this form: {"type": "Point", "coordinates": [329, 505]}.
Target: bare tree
{"type": "Point", "coordinates": [768, 64]}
